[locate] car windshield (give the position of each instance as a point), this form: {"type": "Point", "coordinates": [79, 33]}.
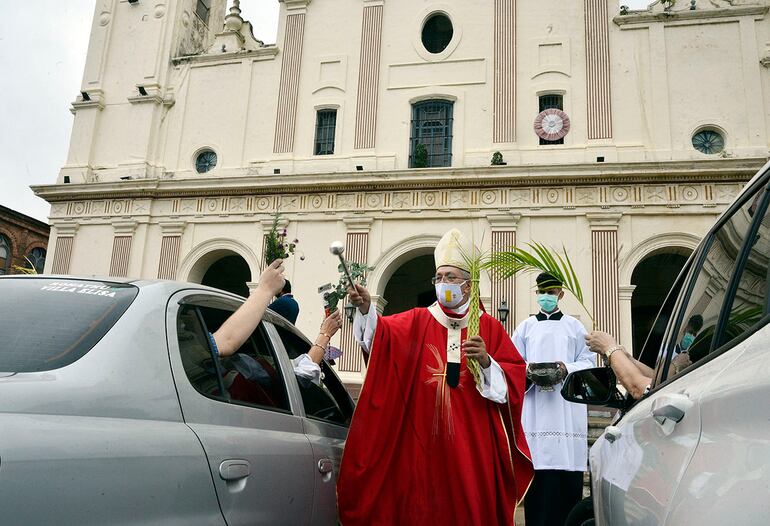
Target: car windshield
{"type": "Point", "coordinates": [49, 323]}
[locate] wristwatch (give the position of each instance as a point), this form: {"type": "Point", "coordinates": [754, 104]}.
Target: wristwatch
{"type": "Point", "coordinates": [611, 351]}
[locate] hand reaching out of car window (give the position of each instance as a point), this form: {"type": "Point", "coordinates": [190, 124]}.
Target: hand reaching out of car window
{"type": "Point", "coordinates": [272, 280]}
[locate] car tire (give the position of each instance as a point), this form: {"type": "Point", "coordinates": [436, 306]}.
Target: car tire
{"type": "Point", "coordinates": [582, 514]}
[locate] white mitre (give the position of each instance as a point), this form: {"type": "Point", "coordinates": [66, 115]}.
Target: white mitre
{"type": "Point", "coordinates": [451, 248]}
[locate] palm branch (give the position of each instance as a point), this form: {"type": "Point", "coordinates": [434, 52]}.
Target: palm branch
{"type": "Point", "coordinates": [475, 264]}
{"type": "Point", "coordinates": [539, 258]}
{"type": "Point", "coordinates": [25, 270]}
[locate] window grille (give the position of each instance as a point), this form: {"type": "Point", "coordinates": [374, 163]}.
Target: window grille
{"type": "Point", "coordinates": [202, 9]}
{"type": "Point", "coordinates": [431, 128]}
{"type": "Point", "coordinates": [325, 128]}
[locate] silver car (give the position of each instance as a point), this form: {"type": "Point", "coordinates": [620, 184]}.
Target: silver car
{"type": "Point", "coordinates": [696, 449]}
{"type": "Point", "coordinates": [114, 410]}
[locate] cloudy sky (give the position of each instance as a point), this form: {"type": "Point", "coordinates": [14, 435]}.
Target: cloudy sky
{"type": "Point", "coordinates": [42, 60]}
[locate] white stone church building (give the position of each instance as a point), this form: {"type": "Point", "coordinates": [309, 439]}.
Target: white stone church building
{"type": "Point", "coordinates": [622, 135]}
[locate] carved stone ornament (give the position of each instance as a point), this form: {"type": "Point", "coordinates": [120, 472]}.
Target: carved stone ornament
{"type": "Point", "coordinates": [551, 124]}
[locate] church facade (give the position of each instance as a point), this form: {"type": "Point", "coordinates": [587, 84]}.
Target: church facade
{"type": "Point", "coordinates": [616, 135]}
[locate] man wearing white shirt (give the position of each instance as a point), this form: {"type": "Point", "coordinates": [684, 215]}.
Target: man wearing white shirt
{"type": "Point", "coordinates": [556, 430]}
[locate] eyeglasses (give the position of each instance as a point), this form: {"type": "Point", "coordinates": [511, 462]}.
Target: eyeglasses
{"type": "Point", "coordinates": [449, 278]}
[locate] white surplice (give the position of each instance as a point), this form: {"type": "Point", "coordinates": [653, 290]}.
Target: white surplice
{"type": "Point", "coordinates": [493, 385]}
{"type": "Point", "coordinates": [556, 430]}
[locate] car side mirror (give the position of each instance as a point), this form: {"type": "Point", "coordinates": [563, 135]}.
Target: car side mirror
{"type": "Point", "coordinates": [597, 386]}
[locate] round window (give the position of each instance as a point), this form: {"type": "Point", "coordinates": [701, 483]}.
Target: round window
{"type": "Point", "coordinates": [437, 33]}
{"type": "Point", "coordinates": [205, 161]}
{"type": "Point", "coordinates": [708, 141]}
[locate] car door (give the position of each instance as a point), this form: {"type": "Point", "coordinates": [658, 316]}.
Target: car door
{"type": "Point", "coordinates": [728, 477]}
{"type": "Point", "coordinates": [645, 456]}
{"type": "Point", "coordinates": [328, 409]}
{"type": "Point", "coordinates": [261, 462]}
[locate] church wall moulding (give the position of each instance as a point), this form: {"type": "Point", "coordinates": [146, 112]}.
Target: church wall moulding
{"type": "Point", "coordinates": [658, 197]}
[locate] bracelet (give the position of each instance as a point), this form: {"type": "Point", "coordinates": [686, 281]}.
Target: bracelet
{"type": "Point", "coordinates": [324, 334]}
{"type": "Point", "coordinates": [612, 350]}
{"type": "Point", "coordinates": [316, 345]}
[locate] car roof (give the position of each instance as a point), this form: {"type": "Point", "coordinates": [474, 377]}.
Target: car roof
{"type": "Point", "coordinates": [161, 286]}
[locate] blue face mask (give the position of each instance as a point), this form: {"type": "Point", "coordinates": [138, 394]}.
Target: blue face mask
{"type": "Point", "coordinates": [547, 302]}
{"type": "Point", "coordinates": [687, 340]}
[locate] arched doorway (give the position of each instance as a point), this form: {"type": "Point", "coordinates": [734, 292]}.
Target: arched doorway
{"type": "Point", "coordinates": [229, 273]}
{"type": "Point", "coordinates": [410, 286]}
{"type": "Point", "coordinates": [653, 278]}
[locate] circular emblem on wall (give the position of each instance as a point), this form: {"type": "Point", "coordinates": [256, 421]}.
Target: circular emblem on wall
{"type": "Point", "coordinates": [551, 124]}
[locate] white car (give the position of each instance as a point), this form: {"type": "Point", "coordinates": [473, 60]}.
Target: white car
{"type": "Point", "coordinates": [696, 449]}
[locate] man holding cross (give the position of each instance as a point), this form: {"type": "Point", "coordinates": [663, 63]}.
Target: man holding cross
{"type": "Point", "coordinates": [427, 445]}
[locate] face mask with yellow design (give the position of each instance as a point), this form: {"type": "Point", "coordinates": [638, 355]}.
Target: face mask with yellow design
{"type": "Point", "coordinates": [450, 295]}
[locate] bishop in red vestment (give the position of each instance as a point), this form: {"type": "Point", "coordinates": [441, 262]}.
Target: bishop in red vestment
{"type": "Point", "coordinates": [426, 445]}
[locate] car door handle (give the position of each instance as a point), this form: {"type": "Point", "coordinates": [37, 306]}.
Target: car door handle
{"type": "Point", "coordinates": [671, 408]}
{"type": "Point", "coordinates": [612, 433]}
{"type": "Point", "coordinates": [234, 469]}
{"type": "Point", "coordinates": [325, 465]}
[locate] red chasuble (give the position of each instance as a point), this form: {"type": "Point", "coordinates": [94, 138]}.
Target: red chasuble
{"type": "Point", "coordinates": [421, 452]}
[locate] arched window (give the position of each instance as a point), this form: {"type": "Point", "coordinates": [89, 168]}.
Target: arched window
{"type": "Point", "coordinates": [431, 141]}
{"type": "Point", "coordinates": [36, 256]}
{"type": "Point", "coordinates": [5, 254]}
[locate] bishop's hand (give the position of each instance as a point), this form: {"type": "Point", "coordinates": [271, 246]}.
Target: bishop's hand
{"type": "Point", "coordinates": [361, 298]}
{"type": "Point", "coordinates": [474, 347]}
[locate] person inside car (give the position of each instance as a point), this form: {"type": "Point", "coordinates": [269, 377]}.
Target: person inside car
{"type": "Point", "coordinates": [239, 326]}
{"type": "Point", "coordinates": [632, 374]}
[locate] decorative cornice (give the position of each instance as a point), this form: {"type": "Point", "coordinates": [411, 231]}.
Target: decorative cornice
{"type": "Point", "coordinates": [602, 221]}
{"type": "Point", "coordinates": [358, 225]}
{"type": "Point", "coordinates": [93, 98]}
{"type": "Point", "coordinates": [635, 18]}
{"type": "Point", "coordinates": [293, 5]}
{"type": "Point", "coordinates": [125, 228]}
{"type": "Point", "coordinates": [503, 222]}
{"type": "Point", "coordinates": [723, 170]}
{"type": "Point", "coordinates": [65, 229]}
{"type": "Point", "coordinates": [626, 292]}
{"type": "Point", "coordinates": [265, 53]}
{"type": "Point", "coordinates": [172, 228]}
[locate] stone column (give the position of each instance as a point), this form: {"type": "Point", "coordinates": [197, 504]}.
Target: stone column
{"type": "Point", "coordinates": [62, 252]}
{"type": "Point", "coordinates": [171, 237]}
{"type": "Point", "coordinates": [604, 260]}
{"type": "Point", "coordinates": [505, 72]}
{"type": "Point", "coordinates": [598, 86]}
{"type": "Point", "coordinates": [356, 249]}
{"type": "Point", "coordinates": [369, 75]}
{"type": "Point", "coordinates": [121, 248]}
{"type": "Point", "coordinates": [504, 237]}
{"type": "Point", "coordinates": [288, 91]}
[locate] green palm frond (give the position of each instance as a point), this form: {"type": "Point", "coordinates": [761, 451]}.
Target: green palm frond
{"type": "Point", "coordinates": [539, 258]}
{"type": "Point", "coordinates": [475, 263]}
{"type": "Point", "coordinates": [25, 270]}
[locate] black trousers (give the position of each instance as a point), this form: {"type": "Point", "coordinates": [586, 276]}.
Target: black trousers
{"type": "Point", "coordinates": [552, 496]}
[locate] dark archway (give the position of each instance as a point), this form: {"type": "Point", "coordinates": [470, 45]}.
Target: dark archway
{"type": "Point", "coordinates": [229, 273]}
{"type": "Point", "coordinates": [653, 277]}
{"type": "Point", "coordinates": [410, 286]}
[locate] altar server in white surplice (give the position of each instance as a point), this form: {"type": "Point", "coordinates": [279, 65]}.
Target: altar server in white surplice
{"type": "Point", "coordinates": [556, 430]}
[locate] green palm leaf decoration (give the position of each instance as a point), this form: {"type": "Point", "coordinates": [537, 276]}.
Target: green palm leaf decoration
{"type": "Point", "coordinates": [476, 264]}
{"type": "Point", "coordinates": [25, 270]}
{"type": "Point", "coordinates": [539, 258]}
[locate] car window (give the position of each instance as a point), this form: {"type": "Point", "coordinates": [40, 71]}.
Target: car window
{"type": "Point", "coordinates": [694, 338]}
{"type": "Point", "coordinates": [251, 376]}
{"type": "Point", "coordinates": [749, 305]}
{"type": "Point", "coordinates": [328, 401]}
{"type": "Point", "coordinates": [77, 314]}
